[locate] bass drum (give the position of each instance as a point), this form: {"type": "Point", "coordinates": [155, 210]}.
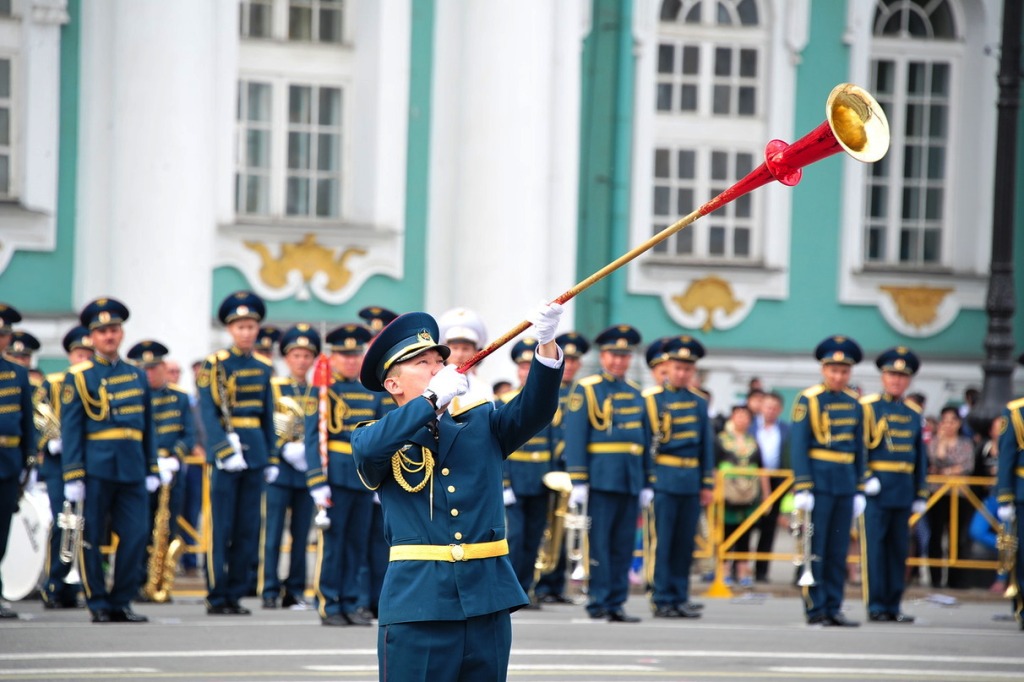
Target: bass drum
{"type": "Point", "coordinates": [24, 563]}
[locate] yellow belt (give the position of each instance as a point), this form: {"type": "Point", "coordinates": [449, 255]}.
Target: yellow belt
{"type": "Point", "coordinates": [115, 434]}
{"type": "Point", "coordinates": [673, 461]}
{"type": "Point", "coordinates": [897, 467]}
{"type": "Point", "coordinates": [538, 456]}
{"type": "Point", "coordinates": [245, 422]}
{"type": "Point", "coordinates": [342, 446]}
{"type": "Point", "coordinates": [10, 441]}
{"type": "Point", "coordinates": [451, 553]}
{"type": "Point", "coordinates": [615, 448]}
{"type": "Point", "coordinates": [831, 456]}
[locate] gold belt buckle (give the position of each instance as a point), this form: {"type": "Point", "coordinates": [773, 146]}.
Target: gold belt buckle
{"type": "Point", "coordinates": [458, 552]}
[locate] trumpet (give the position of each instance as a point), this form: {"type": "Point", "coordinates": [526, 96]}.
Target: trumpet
{"type": "Point", "coordinates": [802, 529]}
{"type": "Point", "coordinates": [71, 522]}
{"type": "Point", "coordinates": [577, 530]}
{"type": "Point", "coordinates": [1006, 543]}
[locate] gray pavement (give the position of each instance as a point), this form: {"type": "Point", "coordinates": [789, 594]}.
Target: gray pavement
{"type": "Point", "coordinates": [757, 635]}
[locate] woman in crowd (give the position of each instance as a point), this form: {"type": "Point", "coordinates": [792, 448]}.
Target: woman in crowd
{"type": "Point", "coordinates": [949, 454]}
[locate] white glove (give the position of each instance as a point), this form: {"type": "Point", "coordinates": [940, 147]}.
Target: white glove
{"type": "Point", "coordinates": [859, 502]}
{"type": "Point", "coordinates": [168, 464]}
{"type": "Point", "coordinates": [233, 463]}
{"type": "Point", "coordinates": [74, 491]}
{"type": "Point", "coordinates": [321, 495]}
{"type": "Point", "coordinates": [804, 501]}
{"type": "Point", "coordinates": [235, 442]}
{"type": "Point", "coordinates": [295, 454]}
{"type": "Point", "coordinates": [646, 497]}
{"type": "Point", "coordinates": [152, 483]}
{"type": "Point", "coordinates": [447, 384]}
{"type": "Point", "coordinates": [918, 507]}
{"type": "Point", "coordinates": [165, 477]}
{"type": "Point", "coordinates": [872, 486]}
{"type": "Point", "coordinates": [1006, 513]}
{"type": "Point", "coordinates": [376, 497]}
{"type": "Point", "coordinates": [545, 321]}
{"type": "Point", "coordinates": [55, 446]}
{"type": "Point", "coordinates": [270, 473]}
{"type": "Point", "coordinates": [322, 520]}
{"type": "Point", "coordinates": [578, 496]}
{"type": "Point", "coordinates": [509, 496]}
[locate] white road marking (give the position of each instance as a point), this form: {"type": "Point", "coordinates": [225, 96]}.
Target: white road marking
{"type": "Point", "coordinates": [77, 671]}
{"type": "Point", "coordinates": [915, 673]}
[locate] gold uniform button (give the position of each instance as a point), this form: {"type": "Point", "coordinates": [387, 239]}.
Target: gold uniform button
{"type": "Point", "coordinates": [451, 488]}
{"type": "Point", "coordinates": [455, 512]}
{"type": "Point", "coordinates": [458, 536]}
{"type": "Point", "coordinates": [444, 472]}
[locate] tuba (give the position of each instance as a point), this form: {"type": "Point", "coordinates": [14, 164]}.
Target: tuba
{"type": "Point", "coordinates": [289, 419]}
{"type": "Point", "coordinates": [554, 532]}
{"type": "Point", "coordinates": [803, 530]}
{"type": "Point", "coordinates": [1006, 543]}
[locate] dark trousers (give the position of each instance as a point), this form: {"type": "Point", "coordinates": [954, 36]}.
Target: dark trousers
{"type": "Point", "coordinates": [1018, 569]}
{"type": "Point", "coordinates": [125, 506]}
{"type": "Point", "coordinates": [376, 562]}
{"type": "Point", "coordinates": [56, 590]}
{"type": "Point", "coordinates": [766, 527]}
{"type": "Point", "coordinates": [831, 517]}
{"type": "Point", "coordinates": [938, 521]}
{"type": "Point", "coordinates": [446, 651]}
{"type": "Point", "coordinates": [9, 488]}
{"type": "Point", "coordinates": [526, 521]}
{"type": "Point", "coordinates": [192, 503]}
{"type": "Point", "coordinates": [234, 512]}
{"type": "Point", "coordinates": [675, 522]}
{"type": "Point", "coordinates": [613, 518]}
{"type": "Point", "coordinates": [336, 578]}
{"type": "Point", "coordinates": [886, 540]}
{"type": "Point", "coordinates": [278, 501]}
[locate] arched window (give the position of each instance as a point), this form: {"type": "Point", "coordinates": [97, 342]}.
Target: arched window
{"type": "Point", "coordinates": [915, 57]}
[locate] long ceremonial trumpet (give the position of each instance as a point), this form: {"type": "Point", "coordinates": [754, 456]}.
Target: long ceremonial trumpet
{"type": "Point", "coordinates": [854, 123]}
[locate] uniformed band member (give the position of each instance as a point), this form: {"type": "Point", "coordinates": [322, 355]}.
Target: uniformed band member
{"type": "Point", "coordinates": [57, 593]}
{"type": "Point", "coordinates": [463, 332]}
{"type": "Point", "coordinates": [1010, 489]}
{"type": "Point", "coordinates": [17, 435]}
{"type": "Point", "coordinates": [343, 544]}
{"type": "Point", "coordinates": [656, 361]}
{"type": "Point", "coordinates": [237, 408]}
{"type": "Point", "coordinates": [550, 589]}
{"type": "Point", "coordinates": [175, 430]}
{"type": "Point", "coordinates": [827, 448]}
{"type": "Point", "coordinates": [684, 477]}
{"type": "Point", "coordinates": [110, 460]}
{"type": "Point", "coordinates": [294, 400]}
{"type": "Point", "coordinates": [376, 318]}
{"type": "Point", "coordinates": [448, 592]}
{"type": "Point", "coordinates": [897, 464]}
{"type": "Point", "coordinates": [21, 348]}
{"type": "Point", "coordinates": [265, 340]}
{"type": "Point", "coordinates": [526, 496]}
{"type": "Point", "coordinates": [607, 452]}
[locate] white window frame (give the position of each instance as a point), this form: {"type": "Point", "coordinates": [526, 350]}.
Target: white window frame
{"type": "Point", "coordinates": [9, 103]}
{"type": "Point", "coordinates": [30, 38]}
{"type": "Point", "coordinates": [966, 246]}
{"type": "Point", "coordinates": [766, 274]}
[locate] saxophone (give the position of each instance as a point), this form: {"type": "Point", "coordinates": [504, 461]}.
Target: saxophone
{"type": "Point", "coordinates": [164, 552]}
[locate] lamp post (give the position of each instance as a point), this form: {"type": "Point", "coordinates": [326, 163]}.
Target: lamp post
{"type": "Point", "coordinates": [1000, 301]}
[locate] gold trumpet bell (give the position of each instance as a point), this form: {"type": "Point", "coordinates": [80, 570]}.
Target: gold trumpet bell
{"type": "Point", "coordinates": [858, 122]}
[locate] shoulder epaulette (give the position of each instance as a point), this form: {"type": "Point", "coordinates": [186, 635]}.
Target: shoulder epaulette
{"type": "Point", "coordinates": [280, 381]}
{"type": "Point", "coordinates": [870, 398]}
{"type": "Point", "coordinates": [852, 393]}
{"type": "Point", "coordinates": [1015, 404]}
{"type": "Point", "coordinates": [80, 367]}
{"type": "Point", "coordinates": [813, 391]}
{"type": "Point", "coordinates": [55, 377]}
{"type": "Point", "coordinates": [177, 389]}
{"type": "Point", "coordinates": [634, 384]}
{"type": "Point", "coordinates": [508, 395]}
{"type": "Point", "coordinates": [653, 390]}
{"type": "Point", "coordinates": [463, 409]}
{"type": "Point", "coordinates": [592, 380]}
{"type": "Point", "coordinates": [699, 393]}
{"type": "Point", "coordinates": [219, 356]}
{"type": "Point", "coordinates": [265, 361]}
{"type": "Point", "coordinates": [914, 406]}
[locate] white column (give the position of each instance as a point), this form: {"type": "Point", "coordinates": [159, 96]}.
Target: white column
{"type": "Point", "coordinates": [152, 98]}
{"type": "Point", "coordinates": [504, 160]}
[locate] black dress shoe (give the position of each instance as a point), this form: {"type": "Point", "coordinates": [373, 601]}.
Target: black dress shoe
{"type": "Point", "coordinates": [693, 606]}
{"type": "Point", "coordinates": [358, 618]}
{"type": "Point", "coordinates": [239, 610]}
{"type": "Point", "coordinates": [335, 619]}
{"type": "Point", "coordinates": [666, 612]}
{"type": "Point", "coordinates": [291, 600]}
{"type": "Point", "coordinates": [101, 616]}
{"type": "Point", "coordinates": [598, 614]}
{"type": "Point", "coordinates": [840, 621]}
{"type": "Point", "coordinates": [555, 599]}
{"type": "Point", "coordinates": [901, 618]}
{"type": "Point", "coordinates": [685, 611]}
{"type": "Point", "coordinates": [878, 617]}
{"type": "Point", "coordinates": [619, 616]}
{"type": "Point", "coordinates": [6, 612]}
{"type": "Point", "coordinates": [126, 615]}
{"type": "Point", "coordinates": [817, 620]}
{"type": "Point", "coordinates": [227, 610]}
{"type": "Point", "coordinates": [270, 602]}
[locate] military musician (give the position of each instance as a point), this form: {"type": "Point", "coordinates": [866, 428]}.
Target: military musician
{"type": "Point", "coordinates": [827, 448]}
{"type": "Point", "coordinates": [684, 476]}
{"type": "Point", "coordinates": [110, 460]}
{"type": "Point", "coordinates": [607, 452]}
{"type": "Point", "coordinates": [1010, 491]}
{"type": "Point", "coordinates": [448, 592]}
{"type": "Point", "coordinates": [237, 408]}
